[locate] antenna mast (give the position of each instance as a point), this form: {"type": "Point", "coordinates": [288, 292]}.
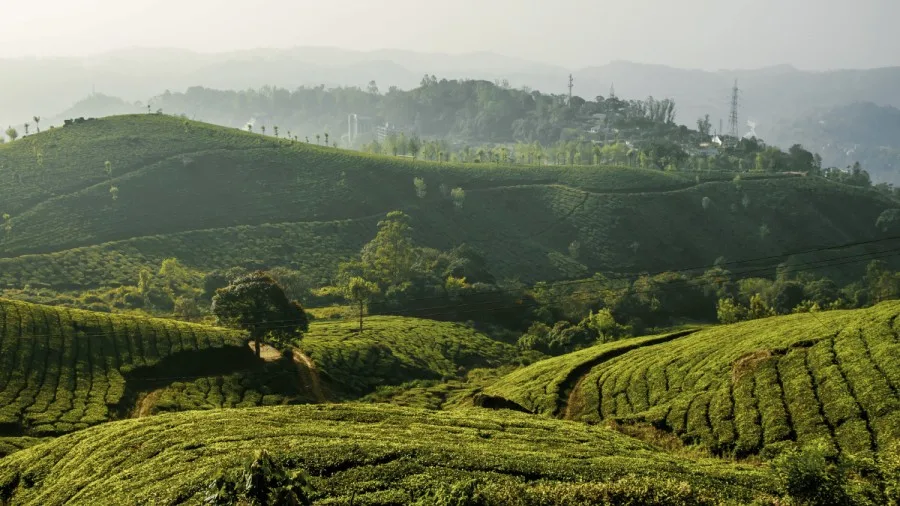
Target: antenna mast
{"type": "Point", "coordinates": [733, 117]}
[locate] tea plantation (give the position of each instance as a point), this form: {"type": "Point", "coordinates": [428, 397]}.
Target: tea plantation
{"type": "Point", "coordinates": [65, 369]}
{"type": "Point", "coordinates": [371, 454]}
{"type": "Point", "coordinates": [742, 389]}
{"type": "Point", "coordinates": [309, 206]}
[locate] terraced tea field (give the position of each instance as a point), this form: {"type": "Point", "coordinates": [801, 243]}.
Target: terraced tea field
{"type": "Point", "coordinates": [372, 455]}
{"type": "Point", "coordinates": [741, 388]}
{"type": "Point", "coordinates": [64, 369]}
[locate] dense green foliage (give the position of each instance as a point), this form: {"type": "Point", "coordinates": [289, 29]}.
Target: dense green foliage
{"type": "Point", "coordinates": [377, 455]}
{"type": "Point", "coordinates": [742, 388]}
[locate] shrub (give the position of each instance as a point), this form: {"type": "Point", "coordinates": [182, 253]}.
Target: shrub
{"type": "Point", "coordinates": [562, 338]}
{"type": "Point", "coordinates": [729, 311]}
{"type": "Point", "coordinates": [809, 477]}
{"type": "Point", "coordinates": [262, 482]}
{"type": "Point", "coordinates": [462, 493]}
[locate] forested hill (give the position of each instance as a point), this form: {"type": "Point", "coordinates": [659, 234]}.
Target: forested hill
{"type": "Point", "coordinates": [451, 115]}
{"type": "Point", "coordinates": [127, 192]}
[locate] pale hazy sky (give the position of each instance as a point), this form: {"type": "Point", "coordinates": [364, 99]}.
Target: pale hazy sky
{"type": "Point", "coordinates": [710, 34]}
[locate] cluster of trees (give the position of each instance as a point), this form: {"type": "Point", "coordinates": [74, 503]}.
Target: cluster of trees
{"type": "Point", "coordinates": [393, 275]}
{"type": "Point", "coordinates": [573, 315]}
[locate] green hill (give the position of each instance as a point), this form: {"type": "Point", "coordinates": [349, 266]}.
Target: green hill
{"type": "Point", "coordinates": [64, 369]}
{"type": "Point", "coordinates": [741, 388]}
{"type": "Point", "coordinates": [219, 197]}
{"type": "Point", "coordinates": [370, 454]}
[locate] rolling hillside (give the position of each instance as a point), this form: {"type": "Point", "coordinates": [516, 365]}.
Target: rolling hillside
{"type": "Point", "coordinates": [217, 197]}
{"type": "Point", "coordinates": [64, 369]}
{"type": "Point", "coordinates": [371, 455]}
{"type": "Point", "coordinates": [741, 388]}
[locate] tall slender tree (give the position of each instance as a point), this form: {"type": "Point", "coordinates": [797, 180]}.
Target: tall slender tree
{"type": "Point", "coordinates": [37, 123]}
{"type": "Point", "coordinates": [360, 292]}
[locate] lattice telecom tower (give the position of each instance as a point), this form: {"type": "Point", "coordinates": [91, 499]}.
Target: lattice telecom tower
{"type": "Point", "coordinates": [733, 116]}
{"type": "Point", "coordinates": [571, 85]}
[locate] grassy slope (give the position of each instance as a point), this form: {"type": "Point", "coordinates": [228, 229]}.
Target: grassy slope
{"type": "Point", "coordinates": [393, 350]}
{"type": "Point", "coordinates": [382, 454]}
{"type": "Point", "coordinates": [523, 218]}
{"type": "Point", "coordinates": [744, 387]}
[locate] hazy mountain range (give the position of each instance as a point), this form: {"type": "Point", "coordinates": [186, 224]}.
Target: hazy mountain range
{"type": "Point", "coordinates": [781, 100]}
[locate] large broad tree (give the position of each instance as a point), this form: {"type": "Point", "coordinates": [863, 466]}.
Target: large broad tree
{"type": "Point", "coordinates": [257, 303]}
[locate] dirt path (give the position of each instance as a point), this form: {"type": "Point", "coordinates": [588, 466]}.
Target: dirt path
{"type": "Point", "coordinates": [266, 352]}
{"type": "Point", "coordinates": [145, 403]}
{"type": "Point", "coordinates": [308, 371]}
{"type": "Point", "coordinates": [571, 399]}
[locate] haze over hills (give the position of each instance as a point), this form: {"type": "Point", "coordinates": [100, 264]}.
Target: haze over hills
{"type": "Point", "coordinates": [770, 97]}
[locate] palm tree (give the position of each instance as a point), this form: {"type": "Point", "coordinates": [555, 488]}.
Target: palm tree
{"type": "Point", "coordinates": [263, 128]}
{"type": "Point", "coordinates": [37, 123]}
{"type": "Point", "coordinates": [326, 138]}
{"type": "Point", "coordinates": [275, 129]}
{"type": "Point", "coordinates": [249, 127]}
{"type": "Point", "coordinates": [26, 128]}
{"type": "Point", "coordinates": [317, 138]}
